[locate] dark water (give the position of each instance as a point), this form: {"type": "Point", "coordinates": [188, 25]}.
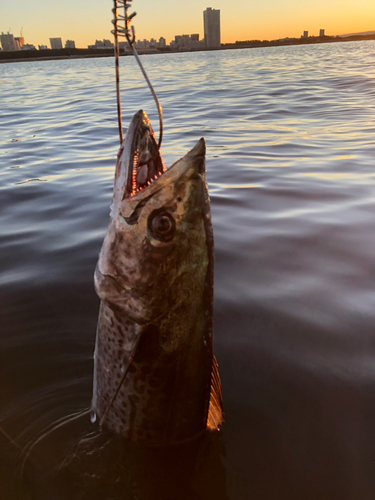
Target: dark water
{"type": "Point", "coordinates": [290, 136]}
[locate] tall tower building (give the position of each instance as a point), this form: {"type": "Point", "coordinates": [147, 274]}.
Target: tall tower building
{"type": "Point", "coordinates": [211, 19]}
{"type": "Point", "coordinates": [8, 42]}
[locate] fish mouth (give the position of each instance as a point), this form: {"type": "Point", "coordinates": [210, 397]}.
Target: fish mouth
{"type": "Point", "coordinates": [144, 163]}
{"type": "Point", "coordinates": [139, 166]}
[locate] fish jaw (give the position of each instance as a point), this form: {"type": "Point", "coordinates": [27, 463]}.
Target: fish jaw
{"type": "Point", "coordinates": [132, 254]}
{"type": "Point", "coordinates": [155, 280]}
{"type": "Point", "coordinates": [138, 160]}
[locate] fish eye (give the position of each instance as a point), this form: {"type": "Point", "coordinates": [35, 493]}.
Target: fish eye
{"type": "Point", "coordinates": [161, 225]}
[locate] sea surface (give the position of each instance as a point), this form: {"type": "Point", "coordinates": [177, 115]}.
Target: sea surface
{"type": "Point", "coordinates": [290, 135]}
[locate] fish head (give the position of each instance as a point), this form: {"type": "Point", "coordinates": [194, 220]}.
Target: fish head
{"type": "Point", "coordinates": [159, 243]}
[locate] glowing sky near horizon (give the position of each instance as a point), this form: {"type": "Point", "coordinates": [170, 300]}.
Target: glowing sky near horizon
{"type": "Point", "coordinates": [85, 21]}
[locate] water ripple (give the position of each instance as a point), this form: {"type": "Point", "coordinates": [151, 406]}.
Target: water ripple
{"type": "Point", "coordinates": [290, 168]}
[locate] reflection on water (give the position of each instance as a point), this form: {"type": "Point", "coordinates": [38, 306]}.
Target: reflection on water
{"type": "Point", "coordinates": [290, 148]}
{"type": "Point", "coordinates": [99, 464]}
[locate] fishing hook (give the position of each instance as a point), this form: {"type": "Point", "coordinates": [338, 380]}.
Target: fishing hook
{"type": "Point", "coordinates": [129, 33]}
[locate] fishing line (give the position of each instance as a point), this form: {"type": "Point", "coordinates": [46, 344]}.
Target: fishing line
{"type": "Point", "coordinates": [10, 439]}
{"type": "Point", "coordinates": [128, 32]}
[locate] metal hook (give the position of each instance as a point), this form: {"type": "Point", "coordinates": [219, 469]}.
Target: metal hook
{"type": "Point", "coordinates": [129, 34]}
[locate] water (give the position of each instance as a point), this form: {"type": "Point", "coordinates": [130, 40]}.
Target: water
{"type": "Point", "coordinates": [290, 136]}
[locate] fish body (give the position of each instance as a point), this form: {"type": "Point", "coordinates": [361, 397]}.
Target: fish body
{"type": "Point", "coordinates": [155, 375]}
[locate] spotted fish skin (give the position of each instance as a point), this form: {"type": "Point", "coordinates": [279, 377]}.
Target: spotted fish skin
{"type": "Point", "coordinates": [155, 376]}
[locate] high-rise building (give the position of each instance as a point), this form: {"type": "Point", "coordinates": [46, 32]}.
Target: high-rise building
{"type": "Point", "coordinates": [8, 42]}
{"type": "Point", "coordinates": [321, 33]}
{"type": "Point", "coordinates": [305, 34]}
{"type": "Point", "coordinates": [56, 43]}
{"type": "Point", "coordinates": [70, 44]}
{"type": "Point", "coordinates": [182, 42]}
{"type": "Point", "coordinates": [211, 20]}
{"type": "Point", "coordinates": [162, 42]}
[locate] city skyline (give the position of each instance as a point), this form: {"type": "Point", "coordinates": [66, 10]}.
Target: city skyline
{"type": "Point", "coordinates": [87, 21]}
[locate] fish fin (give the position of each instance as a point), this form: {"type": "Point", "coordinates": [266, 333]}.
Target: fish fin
{"type": "Point", "coordinates": [215, 408]}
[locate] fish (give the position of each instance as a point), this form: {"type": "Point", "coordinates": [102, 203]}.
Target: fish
{"type": "Point", "coordinates": [156, 379]}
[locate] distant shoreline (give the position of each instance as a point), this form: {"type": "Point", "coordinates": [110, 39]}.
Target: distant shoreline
{"type": "Point", "coordinates": [49, 55]}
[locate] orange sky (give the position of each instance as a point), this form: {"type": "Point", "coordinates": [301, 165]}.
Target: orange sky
{"type": "Point", "coordinates": [85, 21]}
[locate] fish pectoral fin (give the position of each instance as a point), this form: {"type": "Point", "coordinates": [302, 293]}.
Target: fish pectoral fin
{"type": "Point", "coordinates": [215, 408]}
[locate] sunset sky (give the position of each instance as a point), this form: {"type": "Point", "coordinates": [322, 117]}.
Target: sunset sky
{"type": "Point", "coordinates": [84, 21]}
